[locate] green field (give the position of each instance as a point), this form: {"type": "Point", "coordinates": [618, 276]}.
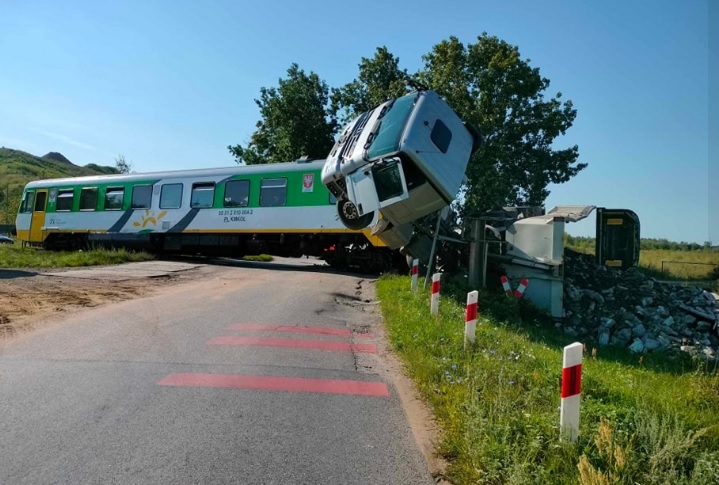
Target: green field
{"type": "Point", "coordinates": [681, 265]}
{"type": "Point", "coordinates": [669, 262]}
{"type": "Point", "coordinates": [645, 419]}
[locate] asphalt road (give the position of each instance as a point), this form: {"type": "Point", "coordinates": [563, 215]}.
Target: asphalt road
{"type": "Point", "coordinates": [251, 374]}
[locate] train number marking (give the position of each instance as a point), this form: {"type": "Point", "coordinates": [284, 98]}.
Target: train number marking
{"type": "Point", "coordinates": [230, 216]}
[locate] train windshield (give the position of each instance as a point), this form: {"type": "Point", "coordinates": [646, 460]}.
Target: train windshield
{"type": "Point", "coordinates": [392, 124]}
{"type": "Point", "coordinates": [28, 200]}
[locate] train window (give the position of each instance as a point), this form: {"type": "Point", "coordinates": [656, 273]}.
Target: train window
{"type": "Point", "coordinates": [64, 200]}
{"type": "Point", "coordinates": [88, 199]}
{"type": "Point", "coordinates": [171, 196]}
{"type": "Point", "coordinates": [28, 199]}
{"type": "Point", "coordinates": [141, 197]}
{"type": "Point", "coordinates": [114, 197]}
{"type": "Point", "coordinates": [40, 200]}
{"type": "Point", "coordinates": [237, 193]}
{"type": "Point", "coordinates": [203, 195]}
{"type": "Point", "coordinates": [273, 192]}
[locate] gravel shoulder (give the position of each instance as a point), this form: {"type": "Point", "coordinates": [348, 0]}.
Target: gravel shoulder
{"type": "Point", "coordinates": [28, 296]}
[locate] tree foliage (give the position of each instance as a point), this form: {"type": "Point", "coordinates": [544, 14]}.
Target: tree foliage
{"type": "Point", "coordinates": [295, 121]}
{"type": "Point", "coordinates": [502, 96]}
{"type": "Point", "coordinates": [489, 85]}
{"type": "Point", "coordinates": [122, 165]}
{"type": "Point", "coordinates": [380, 79]}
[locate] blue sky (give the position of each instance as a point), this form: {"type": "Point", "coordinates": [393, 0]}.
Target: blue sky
{"type": "Point", "coordinates": [170, 84]}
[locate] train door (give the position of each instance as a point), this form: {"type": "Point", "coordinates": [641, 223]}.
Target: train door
{"type": "Point", "coordinates": [38, 217]}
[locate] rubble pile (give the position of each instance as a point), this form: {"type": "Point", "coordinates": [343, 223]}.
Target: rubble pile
{"type": "Point", "coordinates": [628, 308]}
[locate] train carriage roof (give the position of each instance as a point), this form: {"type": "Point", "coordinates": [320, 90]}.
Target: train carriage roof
{"type": "Point", "coordinates": [268, 168]}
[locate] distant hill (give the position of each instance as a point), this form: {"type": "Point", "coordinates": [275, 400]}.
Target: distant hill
{"type": "Point", "coordinates": [17, 168]}
{"type": "Point", "coordinates": [58, 157]}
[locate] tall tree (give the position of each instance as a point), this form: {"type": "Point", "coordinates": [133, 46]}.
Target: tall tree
{"type": "Point", "coordinates": [380, 79]}
{"type": "Point", "coordinates": [295, 121]}
{"type": "Point", "coordinates": [492, 88]}
{"type": "Point", "coordinates": [122, 164]}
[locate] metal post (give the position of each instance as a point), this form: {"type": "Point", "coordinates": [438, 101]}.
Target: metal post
{"type": "Point", "coordinates": [430, 265]}
{"type": "Point", "coordinates": [477, 254]}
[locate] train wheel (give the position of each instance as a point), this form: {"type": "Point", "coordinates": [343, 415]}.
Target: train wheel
{"type": "Point", "coordinates": [350, 216]}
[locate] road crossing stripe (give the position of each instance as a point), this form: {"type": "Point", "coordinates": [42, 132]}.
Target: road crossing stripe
{"type": "Point", "coordinates": [272, 383]}
{"type": "Point", "coordinates": [340, 332]}
{"type": "Point", "coordinates": [298, 344]}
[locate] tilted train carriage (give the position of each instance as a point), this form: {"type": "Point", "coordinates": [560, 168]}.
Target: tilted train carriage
{"type": "Point", "coordinates": [280, 209]}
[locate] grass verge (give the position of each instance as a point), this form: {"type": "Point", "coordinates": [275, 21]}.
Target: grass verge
{"type": "Point", "coordinates": [644, 419]}
{"type": "Point", "coordinates": [264, 258]}
{"type": "Point", "coordinates": [15, 256]}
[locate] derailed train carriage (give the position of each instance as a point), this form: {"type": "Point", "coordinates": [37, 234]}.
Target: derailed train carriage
{"type": "Point", "coordinates": [281, 209]}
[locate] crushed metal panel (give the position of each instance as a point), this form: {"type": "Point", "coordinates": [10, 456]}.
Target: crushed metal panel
{"type": "Point", "coordinates": [536, 239]}
{"type": "Point", "coordinates": [571, 213]}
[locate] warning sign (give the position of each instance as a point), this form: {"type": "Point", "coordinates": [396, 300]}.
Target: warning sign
{"type": "Point", "coordinates": [308, 182]}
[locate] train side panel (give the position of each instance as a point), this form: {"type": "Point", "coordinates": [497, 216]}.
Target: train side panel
{"type": "Point", "coordinates": [282, 208]}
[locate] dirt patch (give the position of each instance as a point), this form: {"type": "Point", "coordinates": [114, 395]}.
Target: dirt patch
{"type": "Point", "coordinates": [27, 296]}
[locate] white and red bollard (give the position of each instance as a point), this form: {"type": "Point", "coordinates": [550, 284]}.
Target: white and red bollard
{"type": "Point", "coordinates": [434, 307]}
{"type": "Point", "coordinates": [571, 392]}
{"type": "Point", "coordinates": [521, 288]}
{"type": "Point", "coordinates": [415, 273]}
{"type": "Point", "coordinates": [470, 320]}
{"type": "Point", "coordinates": [505, 286]}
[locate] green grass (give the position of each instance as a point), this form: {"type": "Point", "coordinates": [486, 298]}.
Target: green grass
{"type": "Point", "coordinates": [259, 257]}
{"type": "Point", "coordinates": [681, 265]}
{"type": "Point", "coordinates": [644, 420]}
{"type": "Point", "coordinates": [15, 256]}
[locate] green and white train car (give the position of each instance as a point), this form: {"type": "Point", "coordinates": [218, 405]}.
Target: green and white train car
{"type": "Point", "coordinates": [281, 209]}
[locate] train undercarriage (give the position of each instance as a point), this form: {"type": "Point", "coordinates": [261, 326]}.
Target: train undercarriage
{"type": "Point", "coordinates": [341, 251]}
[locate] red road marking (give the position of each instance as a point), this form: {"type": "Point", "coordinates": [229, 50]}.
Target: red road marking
{"type": "Point", "coordinates": [269, 383]}
{"type": "Point", "coordinates": [299, 344]}
{"type": "Point", "coordinates": [340, 332]}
